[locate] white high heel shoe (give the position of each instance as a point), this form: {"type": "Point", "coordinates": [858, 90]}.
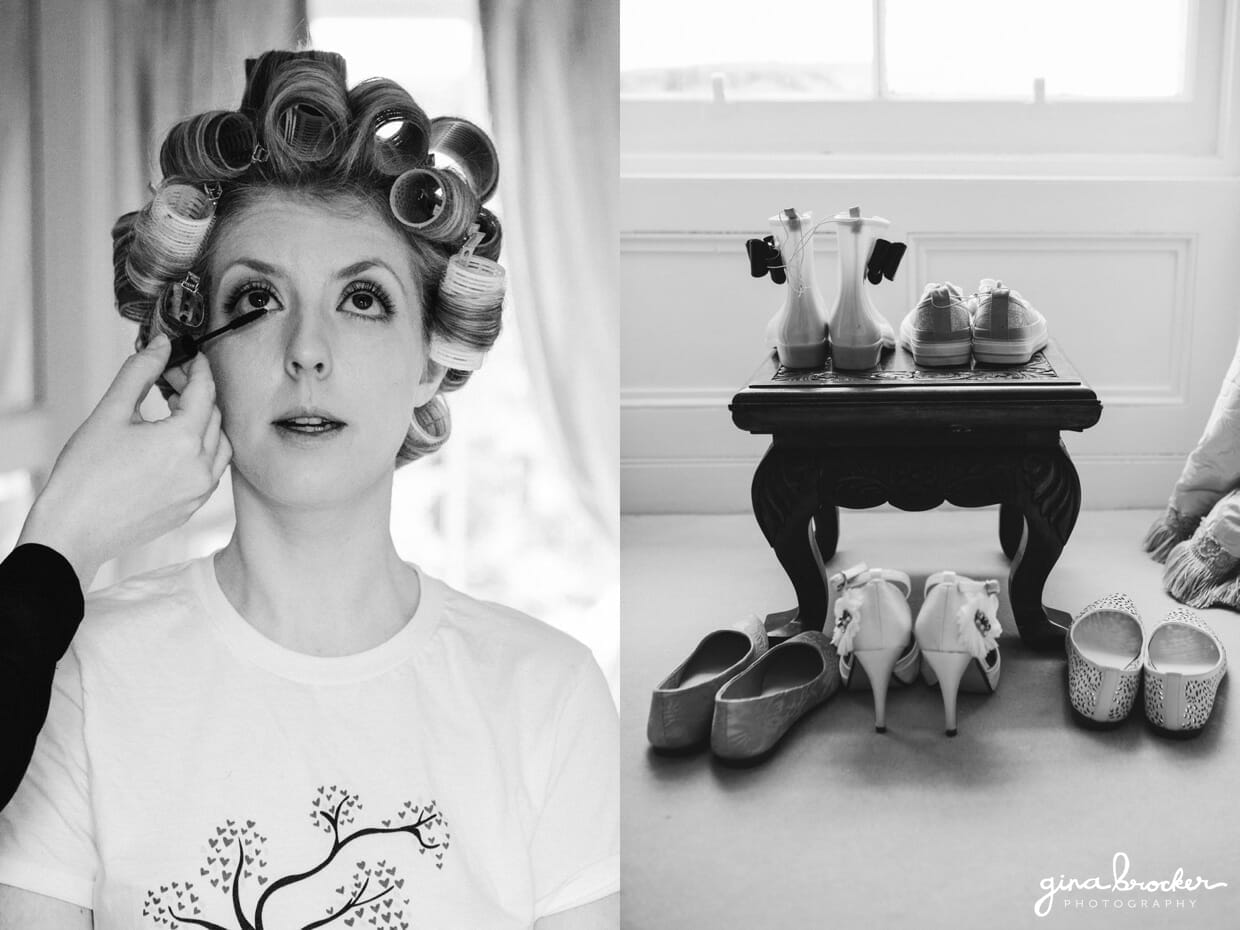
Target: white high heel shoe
{"type": "Point", "coordinates": [958, 629]}
{"type": "Point", "coordinates": [874, 630]}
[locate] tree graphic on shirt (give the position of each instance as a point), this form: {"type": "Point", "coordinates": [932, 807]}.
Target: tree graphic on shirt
{"type": "Point", "coordinates": [236, 865]}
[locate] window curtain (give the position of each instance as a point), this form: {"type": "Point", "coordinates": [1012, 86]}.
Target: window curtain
{"type": "Point", "coordinates": [174, 58]}
{"type": "Point", "coordinates": [178, 57]}
{"type": "Point", "coordinates": [16, 320]}
{"type": "Point", "coordinates": [553, 81]}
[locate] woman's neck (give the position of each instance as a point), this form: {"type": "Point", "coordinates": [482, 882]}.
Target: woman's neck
{"type": "Point", "coordinates": [324, 581]}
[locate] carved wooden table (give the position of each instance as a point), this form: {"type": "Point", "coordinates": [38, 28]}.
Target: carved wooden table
{"type": "Point", "coordinates": [916, 437]}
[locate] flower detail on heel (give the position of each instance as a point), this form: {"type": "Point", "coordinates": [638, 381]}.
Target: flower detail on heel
{"type": "Point", "coordinates": [847, 614]}
{"type": "Point", "coordinates": [978, 623]}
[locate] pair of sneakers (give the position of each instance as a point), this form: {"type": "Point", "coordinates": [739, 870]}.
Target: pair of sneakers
{"type": "Point", "coordinates": [953, 643]}
{"type": "Point", "coordinates": [994, 324]}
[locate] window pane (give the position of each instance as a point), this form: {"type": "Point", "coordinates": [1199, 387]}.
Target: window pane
{"type": "Point", "coordinates": [978, 49]}
{"type": "Point", "coordinates": [782, 49]}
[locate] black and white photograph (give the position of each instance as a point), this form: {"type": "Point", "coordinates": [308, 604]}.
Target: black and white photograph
{"type": "Point", "coordinates": [308, 491]}
{"type": "Point", "coordinates": [596, 464]}
{"type": "Point", "coordinates": [929, 463]}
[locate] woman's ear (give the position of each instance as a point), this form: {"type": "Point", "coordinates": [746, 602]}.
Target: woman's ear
{"type": "Point", "coordinates": [432, 377]}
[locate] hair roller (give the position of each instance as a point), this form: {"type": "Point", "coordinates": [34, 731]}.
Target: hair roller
{"type": "Point", "coordinates": [168, 234]}
{"type": "Point", "coordinates": [217, 144]}
{"type": "Point", "coordinates": [467, 148]}
{"type": "Point", "coordinates": [471, 296]}
{"type": "Point", "coordinates": [492, 234]}
{"type": "Point", "coordinates": [392, 132]}
{"type": "Point", "coordinates": [260, 71]}
{"type": "Point", "coordinates": [131, 303]}
{"type": "Point", "coordinates": [305, 117]}
{"type": "Point", "coordinates": [436, 204]}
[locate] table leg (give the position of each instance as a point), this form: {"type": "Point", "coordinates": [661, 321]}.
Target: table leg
{"type": "Point", "coordinates": [785, 496]}
{"type": "Point", "coordinates": [827, 531]}
{"type": "Point", "coordinates": [1011, 528]}
{"type": "Point", "coordinates": [1049, 499]}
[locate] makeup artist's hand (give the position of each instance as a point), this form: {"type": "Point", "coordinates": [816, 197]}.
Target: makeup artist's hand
{"type": "Point", "coordinates": [121, 481]}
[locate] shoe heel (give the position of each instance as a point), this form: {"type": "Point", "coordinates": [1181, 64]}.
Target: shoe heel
{"type": "Point", "coordinates": [949, 667]}
{"type": "Point", "coordinates": [878, 665]}
{"type": "Point", "coordinates": [856, 358]}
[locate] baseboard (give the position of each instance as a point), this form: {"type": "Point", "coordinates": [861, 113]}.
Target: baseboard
{"type": "Point", "coordinates": [722, 485]}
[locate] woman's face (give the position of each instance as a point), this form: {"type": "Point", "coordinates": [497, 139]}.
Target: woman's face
{"type": "Point", "coordinates": [318, 394]}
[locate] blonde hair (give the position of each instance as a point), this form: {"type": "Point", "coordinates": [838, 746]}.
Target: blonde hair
{"type": "Point", "coordinates": [299, 129]}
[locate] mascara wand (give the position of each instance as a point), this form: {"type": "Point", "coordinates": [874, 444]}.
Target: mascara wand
{"type": "Point", "coordinates": [186, 347]}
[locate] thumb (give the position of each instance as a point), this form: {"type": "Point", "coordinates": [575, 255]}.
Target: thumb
{"type": "Point", "coordinates": [136, 377]}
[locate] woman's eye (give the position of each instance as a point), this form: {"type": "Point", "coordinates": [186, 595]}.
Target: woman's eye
{"type": "Point", "coordinates": [366, 299]}
{"type": "Point", "coordinates": [251, 296]}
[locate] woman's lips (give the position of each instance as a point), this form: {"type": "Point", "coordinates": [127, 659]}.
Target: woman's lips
{"type": "Point", "coordinates": [308, 424]}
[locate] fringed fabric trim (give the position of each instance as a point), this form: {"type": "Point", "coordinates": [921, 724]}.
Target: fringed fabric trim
{"type": "Point", "coordinates": [1201, 573]}
{"type": "Point", "coordinates": [1169, 530]}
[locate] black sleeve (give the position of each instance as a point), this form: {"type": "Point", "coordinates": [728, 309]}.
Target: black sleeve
{"type": "Point", "coordinates": [40, 608]}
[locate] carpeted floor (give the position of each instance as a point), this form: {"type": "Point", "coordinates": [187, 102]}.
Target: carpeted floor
{"type": "Point", "coordinates": [844, 827]}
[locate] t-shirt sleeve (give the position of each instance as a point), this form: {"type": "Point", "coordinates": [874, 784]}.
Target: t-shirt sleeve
{"type": "Point", "coordinates": [46, 841]}
{"type": "Point", "coordinates": [40, 608]}
{"type": "Point", "coordinates": [575, 848]}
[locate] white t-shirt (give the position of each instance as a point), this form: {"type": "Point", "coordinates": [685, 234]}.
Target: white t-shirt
{"type": "Point", "coordinates": [193, 773]}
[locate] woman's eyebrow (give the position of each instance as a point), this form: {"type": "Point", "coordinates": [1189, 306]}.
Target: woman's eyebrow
{"type": "Point", "coordinates": [255, 264]}
{"type": "Point", "coordinates": [365, 265]}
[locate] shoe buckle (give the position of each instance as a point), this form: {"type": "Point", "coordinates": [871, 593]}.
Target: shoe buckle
{"type": "Point", "coordinates": [848, 577]}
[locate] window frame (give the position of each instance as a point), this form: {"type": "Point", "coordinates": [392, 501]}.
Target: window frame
{"type": "Point", "coordinates": [1095, 136]}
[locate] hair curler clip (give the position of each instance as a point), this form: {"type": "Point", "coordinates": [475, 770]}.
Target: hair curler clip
{"type": "Point", "coordinates": [884, 260]}
{"type": "Point", "coordinates": [214, 191]}
{"type": "Point", "coordinates": [182, 304]}
{"type": "Point", "coordinates": [259, 154]}
{"type": "Point", "coordinates": [472, 241]}
{"type": "Point", "coordinates": [764, 258]}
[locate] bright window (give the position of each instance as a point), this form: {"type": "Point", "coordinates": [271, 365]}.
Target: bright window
{"type": "Point", "coordinates": [910, 77]}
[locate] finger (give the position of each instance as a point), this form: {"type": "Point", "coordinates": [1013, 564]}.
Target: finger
{"type": "Point", "coordinates": [211, 438]}
{"type": "Point", "coordinates": [178, 377]}
{"type": "Point", "coordinates": [136, 376]}
{"type": "Point", "coordinates": [198, 396]}
{"type": "Point", "coordinates": [223, 455]}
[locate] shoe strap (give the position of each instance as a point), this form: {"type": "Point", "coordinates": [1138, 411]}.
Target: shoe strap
{"type": "Point", "coordinates": [861, 574]}
{"type": "Point", "coordinates": [963, 584]}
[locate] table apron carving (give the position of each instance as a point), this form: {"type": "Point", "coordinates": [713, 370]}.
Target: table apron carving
{"type": "Point", "coordinates": [797, 490]}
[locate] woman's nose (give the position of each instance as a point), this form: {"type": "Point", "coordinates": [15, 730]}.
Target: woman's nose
{"type": "Point", "coordinates": [308, 350]}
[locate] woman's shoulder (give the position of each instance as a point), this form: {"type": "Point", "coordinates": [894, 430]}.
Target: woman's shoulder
{"type": "Point", "coordinates": [157, 596]}
{"type": "Point", "coordinates": [494, 633]}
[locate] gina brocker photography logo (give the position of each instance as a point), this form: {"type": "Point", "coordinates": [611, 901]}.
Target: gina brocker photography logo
{"type": "Point", "coordinates": [1118, 892]}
